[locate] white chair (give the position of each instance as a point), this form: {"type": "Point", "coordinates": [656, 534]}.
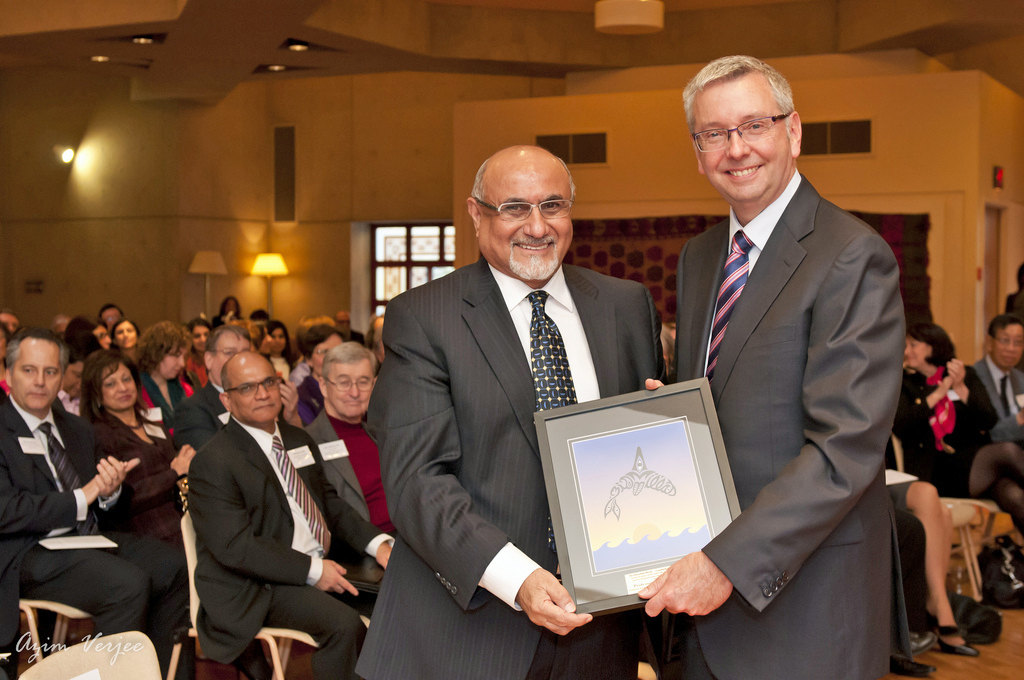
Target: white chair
{"type": "Point", "coordinates": [60, 629]}
{"type": "Point", "coordinates": [124, 656]}
{"type": "Point", "coordinates": [279, 640]}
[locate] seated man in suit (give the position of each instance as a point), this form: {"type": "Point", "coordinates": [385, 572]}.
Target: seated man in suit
{"type": "Point", "coordinates": [1003, 381]}
{"type": "Point", "coordinates": [53, 482]}
{"type": "Point", "coordinates": [200, 416]}
{"type": "Point", "coordinates": [265, 518]}
{"type": "Point", "coordinates": [351, 460]}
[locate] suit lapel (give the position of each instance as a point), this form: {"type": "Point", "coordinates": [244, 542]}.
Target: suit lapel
{"type": "Point", "coordinates": [599, 327]}
{"type": "Point", "coordinates": [488, 320]}
{"type": "Point", "coordinates": [254, 455]}
{"type": "Point", "coordinates": [17, 427]}
{"type": "Point", "coordinates": [775, 266]}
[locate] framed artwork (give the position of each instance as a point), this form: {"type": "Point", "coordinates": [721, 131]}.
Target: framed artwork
{"type": "Point", "coordinates": [634, 482]}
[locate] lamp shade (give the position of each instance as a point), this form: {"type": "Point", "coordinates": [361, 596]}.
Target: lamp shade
{"type": "Point", "coordinates": [207, 262]}
{"type": "Point", "coordinates": [629, 16]}
{"type": "Point", "coordinates": [269, 264]}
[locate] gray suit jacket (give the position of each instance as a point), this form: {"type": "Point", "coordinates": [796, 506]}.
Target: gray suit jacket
{"type": "Point", "coordinates": [1007, 429]}
{"type": "Point", "coordinates": [452, 414]}
{"type": "Point", "coordinates": [339, 470]}
{"type": "Point", "coordinates": [806, 387]}
{"type": "Point", "coordinates": [196, 419]}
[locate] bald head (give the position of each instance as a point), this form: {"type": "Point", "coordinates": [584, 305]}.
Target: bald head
{"type": "Point", "coordinates": [251, 390]}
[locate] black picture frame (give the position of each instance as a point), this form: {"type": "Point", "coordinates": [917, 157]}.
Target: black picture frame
{"type": "Point", "coordinates": [610, 546]}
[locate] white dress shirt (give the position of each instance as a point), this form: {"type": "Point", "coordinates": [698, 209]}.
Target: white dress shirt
{"type": "Point", "coordinates": [302, 538]}
{"type": "Point", "coordinates": [505, 574]}
{"type": "Point", "coordinates": [758, 230]}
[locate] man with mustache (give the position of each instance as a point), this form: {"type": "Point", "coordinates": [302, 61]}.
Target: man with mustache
{"type": "Point", "coordinates": [471, 589]}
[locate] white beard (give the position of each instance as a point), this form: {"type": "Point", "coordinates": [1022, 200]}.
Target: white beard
{"type": "Point", "coordinates": [536, 267]}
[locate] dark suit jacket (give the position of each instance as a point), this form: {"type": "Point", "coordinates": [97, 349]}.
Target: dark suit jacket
{"type": "Point", "coordinates": [339, 471]}
{"type": "Point", "coordinates": [452, 414]}
{"type": "Point", "coordinates": [197, 419]}
{"type": "Point", "coordinates": [1006, 429]}
{"type": "Point", "coordinates": [30, 505]}
{"type": "Point", "coordinates": [244, 533]}
{"type": "Point", "coordinates": [806, 385]}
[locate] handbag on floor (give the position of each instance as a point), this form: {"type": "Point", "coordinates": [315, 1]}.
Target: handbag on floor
{"type": "Point", "coordinates": [1002, 574]}
{"type": "Point", "coordinates": [979, 623]}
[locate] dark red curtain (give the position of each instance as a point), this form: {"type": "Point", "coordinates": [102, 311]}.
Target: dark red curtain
{"type": "Point", "coordinates": [646, 250]}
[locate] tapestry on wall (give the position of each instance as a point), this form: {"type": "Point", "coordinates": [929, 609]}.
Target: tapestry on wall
{"type": "Point", "coordinates": [647, 250]}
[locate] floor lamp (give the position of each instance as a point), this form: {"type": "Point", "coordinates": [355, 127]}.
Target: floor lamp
{"type": "Point", "coordinates": [269, 265]}
{"type": "Point", "coordinates": [207, 262]}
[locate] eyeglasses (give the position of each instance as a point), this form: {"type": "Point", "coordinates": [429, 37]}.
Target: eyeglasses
{"type": "Point", "coordinates": [250, 388]}
{"type": "Point", "coordinates": [345, 384]}
{"type": "Point", "coordinates": [517, 211]}
{"type": "Point", "coordinates": [1009, 342]}
{"type": "Point", "coordinates": [751, 131]}
{"type": "Point", "coordinates": [228, 353]}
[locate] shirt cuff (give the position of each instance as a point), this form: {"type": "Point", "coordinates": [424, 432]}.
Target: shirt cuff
{"type": "Point", "coordinates": [371, 548]}
{"type": "Point", "coordinates": [82, 508]}
{"type": "Point", "coordinates": [504, 576]}
{"type": "Point", "coordinates": [316, 570]}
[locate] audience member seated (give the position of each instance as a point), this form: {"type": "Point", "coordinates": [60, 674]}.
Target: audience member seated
{"type": "Point", "coordinates": [343, 322]}
{"type": "Point", "coordinates": [351, 460]}
{"type": "Point", "coordinates": [229, 311]}
{"type": "Point", "coordinates": [200, 416]}
{"type": "Point", "coordinates": [259, 316]}
{"type": "Point", "coordinates": [85, 333]}
{"type": "Point", "coordinates": [277, 347]}
{"type": "Point", "coordinates": [71, 387]}
{"type": "Point", "coordinates": [9, 320]}
{"type": "Point", "coordinates": [102, 336]}
{"type": "Point", "coordinates": [126, 338]}
{"type": "Point", "coordinates": [922, 500]}
{"type": "Point", "coordinates": [110, 391]}
{"type": "Point", "coordinates": [257, 331]}
{"type": "Point", "coordinates": [944, 418]}
{"type": "Point", "coordinates": [1003, 381]}
{"type": "Point", "coordinates": [300, 369]}
{"type": "Point", "coordinates": [110, 314]}
{"type": "Point", "coordinates": [315, 343]}
{"type": "Point", "coordinates": [911, 539]}
{"type": "Point", "coordinates": [4, 337]}
{"type": "Point", "coordinates": [57, 482]}
{"type": "Point", "coordinates": [264, 560]}
{"type": "Point", "coordinates": [60, 324]}
{"type": "Point", "coordinates": [195, 365]}
{"type": "Point", "coordinates": [161, 362]}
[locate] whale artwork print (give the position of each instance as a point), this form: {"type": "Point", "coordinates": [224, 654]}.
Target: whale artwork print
{"type": "Point", "coordinates": [638, 479]}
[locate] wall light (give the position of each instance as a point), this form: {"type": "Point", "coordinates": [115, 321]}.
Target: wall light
{"type": "Point", "coordinates": [269, 265]}
{"type": "Point", "coordinates": [629, 17]}
{"type": "Point", "coordinates": [65, 153]}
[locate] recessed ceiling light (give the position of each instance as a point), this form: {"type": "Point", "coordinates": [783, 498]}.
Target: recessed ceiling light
{"type": "Point", "coordinates": [99, 58]}
{"type": "Point", "coordinates": [276, 67]}
{"type": "Point", "coordinates": [143, 40]}
{"type": "Point", "coordinates": [297, 46]}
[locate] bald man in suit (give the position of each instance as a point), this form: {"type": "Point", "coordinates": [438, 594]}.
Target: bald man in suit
{"type": "Point", "coordinates": [471, 591]}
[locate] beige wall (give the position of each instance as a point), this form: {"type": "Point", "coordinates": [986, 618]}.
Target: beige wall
{"type": "Point", "coordinates": [935, 137]}
{"type": "Point", "coordinates": [155, 182]}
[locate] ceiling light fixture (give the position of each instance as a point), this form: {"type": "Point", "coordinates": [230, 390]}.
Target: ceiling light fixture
{"type": "Point", "coordinates": [297, 46]}
{"type": "Point", "coordinates": [629, 17]}
{"type": "Point", "coordinates": [99, 58]}
{"type": "Point", "coordinates": [276, 68]}
{"type": "Point", "coordinates": [143, 40]}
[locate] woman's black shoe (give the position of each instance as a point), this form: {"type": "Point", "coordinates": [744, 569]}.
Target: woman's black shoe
{"type": "Point", "coordinates": [960, 650]}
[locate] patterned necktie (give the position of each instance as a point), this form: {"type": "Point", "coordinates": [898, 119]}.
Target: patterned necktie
{"type": "Point", "coordinates": [67, 476]}
{"type": "Point", "coordinates": [552, 379]}
{"type": "Point", "coordinates": [300, 494]}
{"type": "Point", "coordinates": [1004, 393]}
{"type": "Point", "coordinates": [736, 267]}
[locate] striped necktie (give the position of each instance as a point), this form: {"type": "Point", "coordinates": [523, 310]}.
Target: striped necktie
{"type": "Point", "coordinates": [736, 267]}
{"type": "Point", "coordinates": [300, 494]}
{"type": "Point", "coordinates": [67, 476]}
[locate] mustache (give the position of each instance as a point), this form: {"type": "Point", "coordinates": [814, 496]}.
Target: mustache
{"type": "Point", "coordinates": [530, 241]}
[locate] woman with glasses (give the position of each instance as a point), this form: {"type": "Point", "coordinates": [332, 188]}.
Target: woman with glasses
{"type": "Point", "coordinates": [314, 344]}
{"type": "Point", "coordinates": [110, 401]}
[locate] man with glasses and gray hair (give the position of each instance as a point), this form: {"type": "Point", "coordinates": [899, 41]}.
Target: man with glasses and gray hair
{"type": "Point", "coordinates": [351, 460]}
{"type": "Point", "coordinates": [791, 308]}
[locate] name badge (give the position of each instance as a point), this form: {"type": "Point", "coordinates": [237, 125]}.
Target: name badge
{"type": "Point", "coordinates": [31, 445]}
{"type": "Point", "coordinates": [333, 450]}
{"type": "Point", "coordinates": [154, 414]}
{"type": "Point", "coordinates": [224, 417]}
{"type": "Point", "coordinates": [301, 457]}
{"type": "Point", "coordinates": [154, 431]}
